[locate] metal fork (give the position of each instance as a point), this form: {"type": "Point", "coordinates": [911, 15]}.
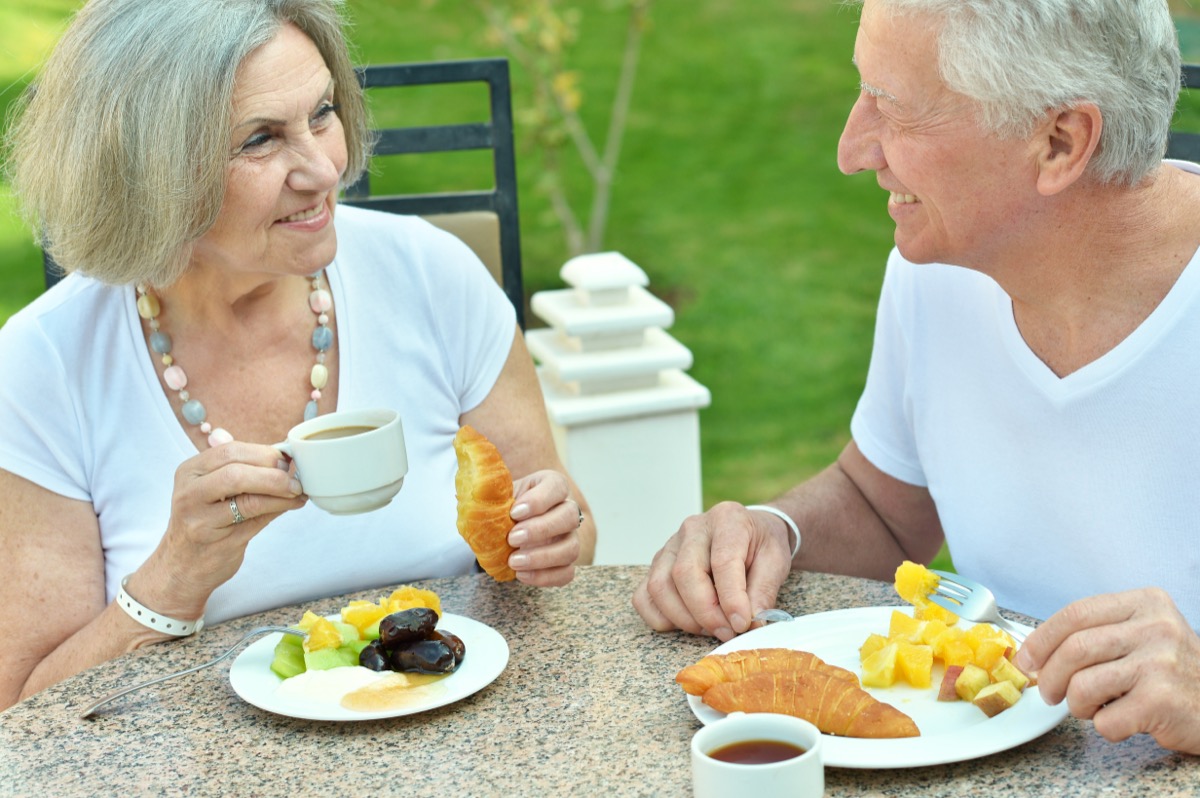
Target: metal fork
{"type": "Point", "coordinates": [252, 633]}
{"type": "Point", "coordinates": [968, 599]}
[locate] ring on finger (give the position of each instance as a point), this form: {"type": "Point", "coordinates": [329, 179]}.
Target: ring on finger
{"type": "Point", "coordinates": [579, 510]}
{"type": "Point", "coordinates": [237, 514]}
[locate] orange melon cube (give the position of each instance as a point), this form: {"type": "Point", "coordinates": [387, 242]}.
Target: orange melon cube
{"type": "Point", "coordinates": [932, 631]}
{"type": "Point", "coordinates": [872, 644]}
{"type": "Point", "coordinates": [915, 664]}
{"type": "Point", "coordinates": [879, 669]}
{"type": "Point", "coordinates": [361, 614]}
{"type": "Point", "coordinates": [406, 597]}
{"type": "Point", "coordinates": [957, 652]}
{"type": "Point", "coordinates": [905, 627]}
{"type": "Point", "coordinates": [322, 635]}
{"type": "Point", "coordinates": [989, 652]}
{"type": "Point", "coordinates": [914, 581]}
{"type": "Point", "coordinates": [926, 610]}
{"type": "Point", "coordinates": [308, 620]}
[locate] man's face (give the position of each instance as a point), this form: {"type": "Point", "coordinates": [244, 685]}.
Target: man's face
{"type": "Point", "coordinates": [957, 193]}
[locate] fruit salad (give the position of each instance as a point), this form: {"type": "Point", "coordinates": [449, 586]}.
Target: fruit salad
{"type": "Point", "coordinates": [978, 661]}
{"type": "Point", "coordinates": [408, 618]}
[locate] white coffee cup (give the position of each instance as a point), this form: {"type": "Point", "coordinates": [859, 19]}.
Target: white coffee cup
{"type": "Point", "coordinates": [350, 461]}
{"type": "Point", "coordinates": [801, 776]}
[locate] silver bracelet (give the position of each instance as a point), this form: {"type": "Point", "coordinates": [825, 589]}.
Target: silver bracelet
{"type": "Point", "coordinates": [156, 621]}
{"type": "Point", "coordinates": [787, 519]}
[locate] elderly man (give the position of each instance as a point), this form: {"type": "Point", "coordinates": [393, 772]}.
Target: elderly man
{"type": "Point", "coordinates": [1032, 397]}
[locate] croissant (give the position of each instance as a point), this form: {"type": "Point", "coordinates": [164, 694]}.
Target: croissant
{"type": "Point", "coordinates": [833, 705]}
{"type": "Point", "coordinates": [484, 488]}
{"type": "Point", "coordinates": [717, 668]}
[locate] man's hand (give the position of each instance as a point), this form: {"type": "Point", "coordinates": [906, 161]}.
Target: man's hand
{"type": "Point", "coordinates": [1128, 661]}
{"type": "Point", "coordinates": [716, 572]}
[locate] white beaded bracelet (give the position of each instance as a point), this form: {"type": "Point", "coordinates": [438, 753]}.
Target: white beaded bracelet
{"type": "Point", "coordinates": [156, 621]}
{"type": "Point", "coordinates": [787, 519]}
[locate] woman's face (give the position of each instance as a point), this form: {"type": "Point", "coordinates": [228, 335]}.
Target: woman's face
{"type": "Point", "coordinates": [286, 161]}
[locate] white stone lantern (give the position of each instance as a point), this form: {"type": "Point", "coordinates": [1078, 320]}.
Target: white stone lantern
{"type": "Point", "coordinates": [623, 412]}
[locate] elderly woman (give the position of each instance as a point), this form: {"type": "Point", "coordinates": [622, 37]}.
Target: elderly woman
{"type": "Point", "coordinates": [183, 160]}
{"type": "Point", "coordinates": [1035, 382]}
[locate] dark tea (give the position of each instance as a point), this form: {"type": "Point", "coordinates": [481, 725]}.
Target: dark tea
{"type": "Point", "coordinates": [338, 432]}
{"type": "Point", "coordinates": [756, 752]}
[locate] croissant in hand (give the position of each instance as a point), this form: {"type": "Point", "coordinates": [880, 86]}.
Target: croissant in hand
{"type": "Point", "coordinates": [834, 705]}
{"type": "Point", "coordinates": [484, 488]}
{"type": "Point", "coordinates": [716, 668]}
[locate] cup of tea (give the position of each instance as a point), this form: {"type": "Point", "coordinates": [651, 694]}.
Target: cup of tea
{"type": "Point", "coordinates": [350, 461]}
{"type": "Point", "coordinates": [761, 754]}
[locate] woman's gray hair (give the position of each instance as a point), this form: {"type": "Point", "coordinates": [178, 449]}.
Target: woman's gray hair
{"type": "Point", "coordinates": [120, 148]}
{"type": "Point", "coordinates": [1021, 58]}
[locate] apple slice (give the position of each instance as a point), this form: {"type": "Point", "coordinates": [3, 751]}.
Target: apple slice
{"type": "Point", "coordinates": [972, 679]}
{"type": "Point", "coordinates": [947, 692]}
{"type": "Point", "coordinates": [997, 697]}
{"type": "Point", "coordinates": [1005, 671]}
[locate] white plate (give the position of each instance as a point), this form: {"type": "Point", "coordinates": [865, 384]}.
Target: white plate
{"type": "Point", "coordinates": [951, 731]}
{"type": "Point", "coordinates": [486, 658]}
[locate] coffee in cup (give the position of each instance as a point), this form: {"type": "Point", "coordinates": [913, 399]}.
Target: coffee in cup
{"type": "Point", "coordinates": [351, 461]}
{"type": "Point", "coordinates": [761, 754]}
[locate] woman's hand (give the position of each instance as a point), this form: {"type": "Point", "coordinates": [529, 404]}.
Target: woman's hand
{"type": "Point", "coordinates": [1127, 661]}
{"type": "Point", "coordinates": [205, 543]}
{"type": "Point", "coordinates": [547, 531]}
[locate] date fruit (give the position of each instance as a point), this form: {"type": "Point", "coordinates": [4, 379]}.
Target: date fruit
{"type": "Point", "coordinates": [417, 623]}
{"type": "Point", "coordinates": [423, 656]}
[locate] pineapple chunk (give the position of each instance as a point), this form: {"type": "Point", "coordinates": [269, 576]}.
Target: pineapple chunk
{"type": "Point", "coordinates": [996, 697]}
{"type": "Point", "coordinates": [879, 669]}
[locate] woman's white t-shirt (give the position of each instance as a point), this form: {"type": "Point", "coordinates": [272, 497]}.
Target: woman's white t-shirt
{"type": "Point", "coordinates": [422, 328]}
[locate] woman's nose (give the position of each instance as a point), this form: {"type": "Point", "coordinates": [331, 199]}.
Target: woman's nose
{"type": "Point", "coordinates": [316, 166]}
{"type": "Point", "coordinates": [858, 148]}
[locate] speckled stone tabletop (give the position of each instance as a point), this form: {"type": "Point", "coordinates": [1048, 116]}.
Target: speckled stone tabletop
{"type": "Point", "coordinates": [586, 706]}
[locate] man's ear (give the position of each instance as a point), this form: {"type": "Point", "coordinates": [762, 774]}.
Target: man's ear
{"type": "Point", "coordinates": [1064, 145]}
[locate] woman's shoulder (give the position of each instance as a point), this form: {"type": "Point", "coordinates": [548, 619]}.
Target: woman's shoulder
{"type": "Point", "coordinates": [74, 305]}
{"type": "Point", "coordinates": [371, 224]}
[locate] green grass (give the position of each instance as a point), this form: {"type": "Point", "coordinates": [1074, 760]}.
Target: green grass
{"type": "Point", "coordinates": [728, 195]}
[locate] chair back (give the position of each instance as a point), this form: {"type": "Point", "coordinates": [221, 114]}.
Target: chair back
{"type": "Point", "coordinates": [1184, 145]}
{"type": "Point", "coordinates": [486, 219]}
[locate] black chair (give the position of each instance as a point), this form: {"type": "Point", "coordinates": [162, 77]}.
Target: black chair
{"type": "Point", "coordinates": [485, 219]}
{"type": "Point", "coordinates": [1184, 145]}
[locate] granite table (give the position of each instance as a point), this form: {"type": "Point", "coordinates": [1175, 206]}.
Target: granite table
{"type": "Point", "coordinates": [587, 705]}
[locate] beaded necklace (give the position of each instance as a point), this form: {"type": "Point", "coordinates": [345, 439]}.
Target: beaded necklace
{"type": "Point", "coordinates": [320, 301]}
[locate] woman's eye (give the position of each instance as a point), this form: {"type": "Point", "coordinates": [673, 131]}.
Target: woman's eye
{"type": "Point", "coordinates": [254, 142]}
{"type": "Point", "coordinates": [325, 111]}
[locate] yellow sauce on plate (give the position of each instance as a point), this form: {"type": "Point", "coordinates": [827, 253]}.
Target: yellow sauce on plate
{"type": "Point", "coordinates": [395, 691]}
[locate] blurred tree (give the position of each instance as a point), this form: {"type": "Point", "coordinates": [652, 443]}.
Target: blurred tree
{"type": "Point", "coordinates": [538, 34]}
